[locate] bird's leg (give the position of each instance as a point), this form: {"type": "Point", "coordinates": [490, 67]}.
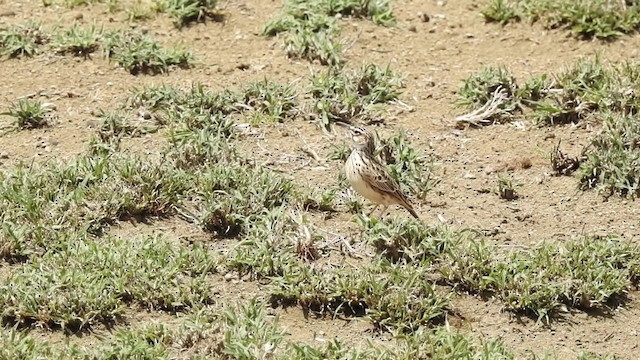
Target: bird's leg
{"type": "Point", "coordinates": [372, 210]}
{"type": "Point", "coordinates": [384, 210]}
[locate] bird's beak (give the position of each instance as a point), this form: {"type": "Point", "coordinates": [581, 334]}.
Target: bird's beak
{"type": "Point", "coordinates": [343, 124]}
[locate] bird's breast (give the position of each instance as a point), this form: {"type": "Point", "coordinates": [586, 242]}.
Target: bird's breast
{"type": "Point", "coordinates": [354, 167]}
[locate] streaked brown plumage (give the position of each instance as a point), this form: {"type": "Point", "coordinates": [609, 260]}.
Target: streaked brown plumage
{"type": "Point", "coordinates": [369, 177]}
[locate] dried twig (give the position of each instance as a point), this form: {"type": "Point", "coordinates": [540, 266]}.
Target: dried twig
{"type": "Point", "coordinates": [309, 150]}
{"type": "Point", "coordinates": [484, 114]}
{"type": "Point", "coordinates": [562, 164]}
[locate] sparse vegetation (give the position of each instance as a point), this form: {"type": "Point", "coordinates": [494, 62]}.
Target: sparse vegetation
{"type": "Point", "coordinates": [184, 12]}
{"type": "Point", "coordinates": [587, 273]}
{"type": "Point", "coordinates": [585, 19]}
{"type": "Point", "coordinates": [313, 32]}
{"type": "Point", "coordinates": [77, 41]}
{"type": "Point", "coordinates": [139, 53]}
{"type": "Point", "coordinates": [506, 188]}
{"type": "Point", "coordinates": [347, 97]}
{"type": "Point", "coordinates": [589, 90]}
{"type": "Point", "coordinates": [134, 51]}
{"type": "Point", "coordinates": [203, 220]}
{"type": "Point", "coordinates": [22, 40]}
{"type": "Point", "coordinates": [28, 114]}
{"type": "Point", "coordinates": [102, 276]}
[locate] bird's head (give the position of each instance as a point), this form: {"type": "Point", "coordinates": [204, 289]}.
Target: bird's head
{"type": "Point", "coordinates": [361, 137]}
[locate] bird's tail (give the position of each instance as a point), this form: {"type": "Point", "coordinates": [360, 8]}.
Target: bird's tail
{"type": "Point", "coordinates": [409, 208]}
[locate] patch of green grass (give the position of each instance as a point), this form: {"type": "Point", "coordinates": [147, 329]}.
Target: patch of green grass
{"type": "Point", "coordinates": [501, 11]}
{"type": "Point", "coordinates": [343, 96]}
{"type": "Point", "coordinates": [97, 190]}
{"type": "Point", "coordinates": [440, 343]}
{"type": "Point", "coordinates": [321, 199]}
{"type": "Point", "coordinates": [312, 31]}
{"type": "Point", "coordinates": [248, 334]}
{"type": "Point", "coordinates": [229, 198]}
{"type": "Point", "coordinates": [146, 343]}
{"type": "Point", "coordinates": [585, 19]}
{"type": "Point", "coordinates": [395, 296]}
{"type": "Point", "coordinates": [114, 126]}
{"type": "Point", "coordinates": [322, 46]}
{"type": "Point", "coordinates": [138, 53]}
{"type": "Point", "coordinates": [150, 342]}
{"type": "Point", "coordinates": [197, 98]}
{"type": "Point", "coordinates": [22, 40]}
{"type": "Point", "coordinates": [568, 96]}
{"type": "Point", "coordinates": [28, 114]}
{"type": "Point", "coordinates": [111, 4]}
{"type": "Point", "coordinates": [591, 89]}
{"type": "Point", "coordinates": [612, 160]}
{"type": "Point", "coordinates": [506, 188]}
{"type": "Point", "coordinates": [266, 100]}
{"type": "Point", "coordinates": [277, 102]}
{"type": "Point", "coordinates": [269, 246]}
{"type": "Point", "coordinates": [480, 88]}
{"type": "Point", "coordinates": [77, 41]}
{"type": "Point", "coordinates": [586, 273]}
{"type": "Point", "coordinates": [296, 10]}
{"type": "Point", "coordinates": [86, 282]}
{"type": "Point", "coordinates": [141, 10]}
{"type": "Point", "coordinates": [134, 51]}
{"type": "Point", "coordinates": [16, 344]}
{"type": "Point", "coordinates": [46, 203]}
{"type": "Point", "coordinates": [477, 89]}
{"type": "Point", "coordinates": [184, 12]}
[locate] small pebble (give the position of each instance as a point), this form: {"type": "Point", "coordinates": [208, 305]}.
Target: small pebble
{"type": "Point", "coordinates": [144, 114]}
{"type": "Point", "coordinates": [413, 28]}
{"type": "Point", "coordinates": [4, 155]}
{"type": "Point", "coordinates": [49, 106]}
{"type": "Point", "coordinates": [424, 17]}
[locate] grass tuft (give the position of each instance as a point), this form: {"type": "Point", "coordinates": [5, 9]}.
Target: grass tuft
{"type": "Point", "coordinates": [394, 296]}
{"type": "Point", "coordinates": [28, 114]}
{"type": "Point", "coordinates": [140, 54]}
{"type": "Point", "coordinates": [22, 40]}
{"type": "Point", "coordinates": [343, 96]}
{"type": "Point", "coordinates": [312, 29]}
{"type": "Point", "coordinates": [103, 275]}
{"type": "Point", "coordinates": [77, 41]}
{"type": "Point", "coordinates": [587, 273]}
{"type": "Point", "coordinates": [585, 19]}
{"type": "Point", "coordinates": [184, 12]}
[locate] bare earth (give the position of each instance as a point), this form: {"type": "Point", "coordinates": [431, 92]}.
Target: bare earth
{"type": "Point", "coordinates": [434, 58]}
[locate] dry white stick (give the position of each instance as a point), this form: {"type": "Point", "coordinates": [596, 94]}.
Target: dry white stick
{"type": "Point", "coordinates": [483, 114]}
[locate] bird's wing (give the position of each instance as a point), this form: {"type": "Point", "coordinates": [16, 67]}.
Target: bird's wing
{"type": "Point", "coordinates": [379, 178]}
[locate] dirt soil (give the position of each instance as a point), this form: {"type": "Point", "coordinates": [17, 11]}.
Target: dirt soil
{"type": "Point", "coordinates": [434, 56]}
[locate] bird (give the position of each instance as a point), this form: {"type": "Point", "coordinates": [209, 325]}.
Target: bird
{"type": "Point", "coordinates": [370, 178]}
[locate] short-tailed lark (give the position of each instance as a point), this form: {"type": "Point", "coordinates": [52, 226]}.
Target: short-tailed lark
{"type": "Point", "coordinates": [368, 176]}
